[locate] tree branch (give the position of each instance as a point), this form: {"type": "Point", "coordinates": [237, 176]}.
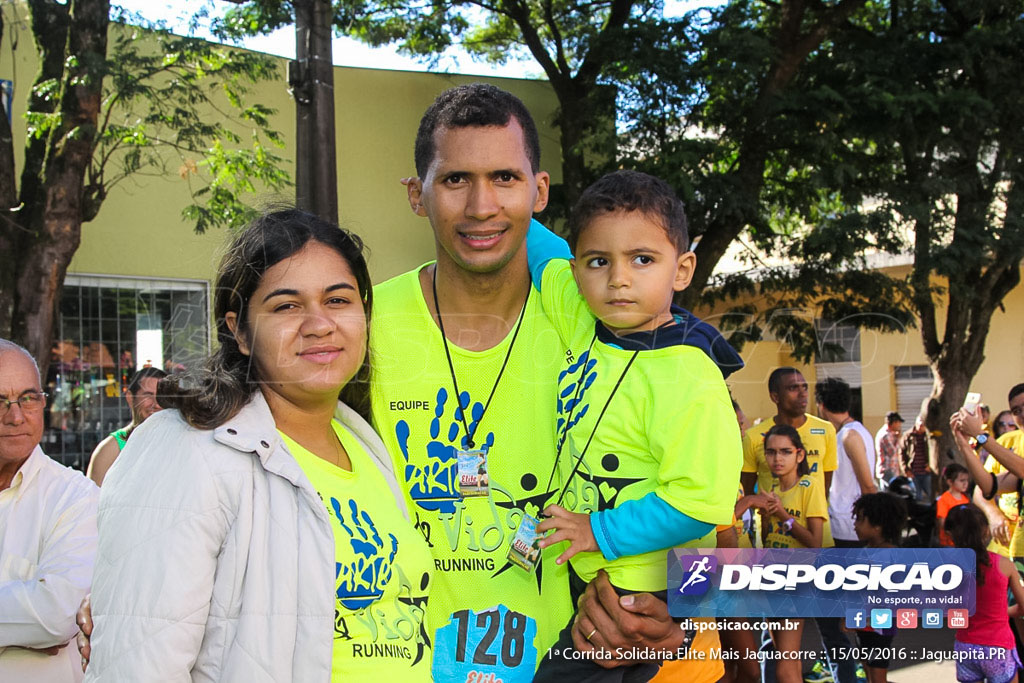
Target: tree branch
{"type": "Point", "coordinates": [520, 14]}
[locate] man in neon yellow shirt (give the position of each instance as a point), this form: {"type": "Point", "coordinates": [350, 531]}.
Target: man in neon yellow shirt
{"type": "Point", "coordinates": [466, 361]}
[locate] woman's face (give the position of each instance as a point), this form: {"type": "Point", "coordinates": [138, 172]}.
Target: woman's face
{"type": "Point", "coordinates": [1003, 423]}
{"type": "Point", "coordinates": [306, 331]}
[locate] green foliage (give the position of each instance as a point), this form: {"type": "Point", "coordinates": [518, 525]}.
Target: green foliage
{"type": "Point", "coordinates": [897, 141]}
{"type": "Point", "coordinates": [178, 105]}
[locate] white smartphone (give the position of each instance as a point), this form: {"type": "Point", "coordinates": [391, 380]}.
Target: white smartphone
{"type": "Point", "coordinates": [972, 402]}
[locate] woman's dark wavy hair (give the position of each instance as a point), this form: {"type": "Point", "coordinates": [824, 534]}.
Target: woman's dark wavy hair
{"type": "Point", "coordinates": [211, 395]}
{"type": "Point", "coordinates": [967, 525]}
{"type": "Point", "coordinates": [802, 468]}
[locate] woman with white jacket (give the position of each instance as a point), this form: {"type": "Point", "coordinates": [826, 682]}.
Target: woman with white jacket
{"type": "Point", "coordinates": [255, 532]}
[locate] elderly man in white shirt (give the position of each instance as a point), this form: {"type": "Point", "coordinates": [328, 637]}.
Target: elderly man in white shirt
{"type": "Point", "coordinates": [47, 535]}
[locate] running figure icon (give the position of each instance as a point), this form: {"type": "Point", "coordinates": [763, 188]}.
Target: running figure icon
{"type": "Point", "coordinates": [697, 571]}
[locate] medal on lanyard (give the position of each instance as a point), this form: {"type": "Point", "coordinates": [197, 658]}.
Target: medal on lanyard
{"type": "Point", "coordinates": [472, 468]}
{"type": "Point", "coordinates": [524, 552]}
{"type": "Point", "coordinates": [473, 479]}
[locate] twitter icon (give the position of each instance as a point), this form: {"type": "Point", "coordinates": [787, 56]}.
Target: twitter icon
{"type": "Point", "coordinates": [881, 618]}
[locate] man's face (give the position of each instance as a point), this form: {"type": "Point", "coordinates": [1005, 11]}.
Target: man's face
{"type": "Point", "coordinates": [791, 398]}
{"type": "Point", "coordinates": [21, 429]}
{"type": "Point", "coordinates": [1017, 410]}
{"type": "Point", "coordinates": [896, 428]}
{"type": "Point", "coordinates": [479, 193]}
{"type": "Point", "coordinates": [143, 402]}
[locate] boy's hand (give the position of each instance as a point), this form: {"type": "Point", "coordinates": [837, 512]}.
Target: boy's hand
{"type": "Point", "coordinates": [569, 526]}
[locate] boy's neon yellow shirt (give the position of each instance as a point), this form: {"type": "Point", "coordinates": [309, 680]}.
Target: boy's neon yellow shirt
{"type": "Point", "coordinates": [804, 499]}
{"type": "Point", "coordinates": [383, 570]}
{"type": "Point", "coordinates": [490, 616]}
{"type": "Point", "coordinates": [670, 428]}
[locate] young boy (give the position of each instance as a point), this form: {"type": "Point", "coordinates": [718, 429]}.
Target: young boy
{"type": "Point", "coordinates": [958, 480]}
{"type": "Point", "coordinates": [878, 520]}
{"type": "Point", "coordinates": [648, 450]}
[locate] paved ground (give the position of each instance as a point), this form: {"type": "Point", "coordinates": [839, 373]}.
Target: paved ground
{"type": "Point", "coordinates": [914, 669]}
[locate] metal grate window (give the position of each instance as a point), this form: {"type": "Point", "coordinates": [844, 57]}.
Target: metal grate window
{"type": "Point", "coordinates": [837, 343]}
{"type": "Point", "coordinates": [107, 328]}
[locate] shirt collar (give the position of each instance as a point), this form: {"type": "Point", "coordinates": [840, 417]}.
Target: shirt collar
{"type": "Point", "coordinates": [28, 470]}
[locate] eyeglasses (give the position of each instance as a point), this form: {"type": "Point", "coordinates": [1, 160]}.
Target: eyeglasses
{"type": "Point", "coordinates": [30, 402]}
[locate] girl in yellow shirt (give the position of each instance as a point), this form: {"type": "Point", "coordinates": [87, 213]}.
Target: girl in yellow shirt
{"type": "Point", "coordinates": [794, 514]}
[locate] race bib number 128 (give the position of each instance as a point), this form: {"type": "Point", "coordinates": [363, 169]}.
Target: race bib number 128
{"type": "Point", "coordinates": [495, 644]}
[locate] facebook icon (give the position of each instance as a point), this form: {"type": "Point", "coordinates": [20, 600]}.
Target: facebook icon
{"type": "Point", "coordinates": [856, 618]}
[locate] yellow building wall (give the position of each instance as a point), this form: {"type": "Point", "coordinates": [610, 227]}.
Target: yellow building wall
{"type": "Point", "coordinates": [139, 230]}
{"type": "Point", "coordinates": [881, 353]}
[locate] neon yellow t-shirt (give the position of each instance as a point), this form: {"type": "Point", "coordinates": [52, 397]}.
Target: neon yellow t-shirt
{"type": "Point", "coordinates": [804, 499]}
{"type": "Point", "coordinates": [383, 570]}
{"type": "Point", "coordinates": [491, 616]}
{"type": "Point", "coordinates": [670, 428]}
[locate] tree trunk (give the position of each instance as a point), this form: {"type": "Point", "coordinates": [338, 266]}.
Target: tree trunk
{"type": "Point", "coordinates": [571, 125]}
{"type": "Point", "coordinates": [316, 169]}
{"type": "Point", "coordinates": [54, 222]}
{"type": "Point", "coordinates": [8, 224]}
{"type": "Point", "coordinates": [952, 380]}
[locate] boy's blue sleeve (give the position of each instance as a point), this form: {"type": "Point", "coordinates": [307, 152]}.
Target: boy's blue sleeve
{"type": "Point", "coordinates": [641, 526]}
{"type": "Point", "coordinates": [542, 245]}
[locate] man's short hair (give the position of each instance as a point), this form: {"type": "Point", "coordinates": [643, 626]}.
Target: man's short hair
{"type": "Point", "coordinates": [145, 373]}
{"type": "Point", "coordinates": [7, 345]}
{"type": "Point", "coordinates": [834, 394]}
{"type": "Point", "coordinates": [630, 191]}
{"type": "Point", "coordinates": [775, 379]}
{"type": "Point", "coordinates": [892, 416]}
{"type": "Point", "coordinates": [477, 104]}
{"type": "Point", "coordinates": [1016, 391]}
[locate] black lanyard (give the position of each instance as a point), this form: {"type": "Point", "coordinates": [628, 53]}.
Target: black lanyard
{"type": "Point", "coordinates": [451, 366]}
{"type": "Point", "coordinates": [579, 459]}
{"type": "Point", "coordinates": [564, 435]}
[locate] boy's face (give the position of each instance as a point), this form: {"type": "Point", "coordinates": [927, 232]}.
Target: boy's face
{"type": "Point", "coordinates": [627, 269]}
{"type": "Point", "coordinates": [865, 530]}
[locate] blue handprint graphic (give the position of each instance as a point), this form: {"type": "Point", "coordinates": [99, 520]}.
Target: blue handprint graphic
{"type": "Point", "coordinates": [362, 582]}
{"type": "Point", "coordinates": [568, 399]}
{"type": "Point", "coordinates": [434, 485]}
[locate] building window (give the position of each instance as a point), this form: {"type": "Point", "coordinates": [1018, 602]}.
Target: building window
{"type": "Point", "coordinates": [913, 388]}
{"type": "Point", "coordinates": [107, 328]}
{"type": "Point", "coordinates": [837, 343]}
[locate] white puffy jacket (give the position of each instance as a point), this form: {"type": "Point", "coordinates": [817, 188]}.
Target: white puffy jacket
{"type": "Point", "coordinates": [216, 558]}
